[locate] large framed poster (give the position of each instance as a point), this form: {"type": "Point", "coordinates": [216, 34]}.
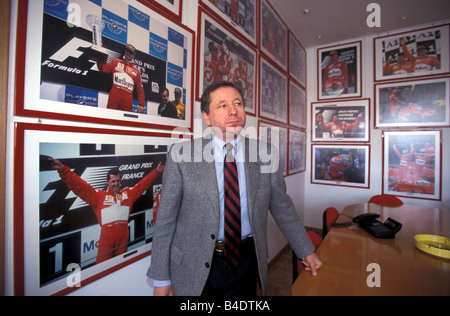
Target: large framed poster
{"type": "Point", "coordinates": [103, 62]}
{"type": "Point", "coordinates": [223, 56]}
{"type": "Point", "coordinates": [412, 164]}
{"type": "Point", "coordinates": [83, 203]}
{"type": "Point", "coordinates": [342, 165]}
{"type": "Point", "coordinates": [276, 135]}
{"type": "Point", "coordinates": [297, 151]}
{"type": "Point", "coordinates": [274, 36]}
{"type": "Point", "coordinates": [418, 53]}
{"type": "Point", "coordinates": [297, 60]}
{"type": "Point", "coordinates": [413, 103]}
{"type": "Point", "coordinates": [339, 71]}
{"type": "Point", "coordinates": [241, 15]}
{"type": "Point", "coordinates": [273, 102]}
{"type": "Point", "coordinates": [297, 105]}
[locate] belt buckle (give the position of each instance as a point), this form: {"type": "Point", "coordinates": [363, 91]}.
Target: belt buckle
{"type": "Point", "coordinates": [220, 246]}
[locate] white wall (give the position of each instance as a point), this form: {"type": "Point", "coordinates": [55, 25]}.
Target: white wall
{"type": "Point", "coordinates": [319, 197]}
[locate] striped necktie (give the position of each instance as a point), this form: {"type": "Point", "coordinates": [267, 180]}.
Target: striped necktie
{"type": "Point", "coordinates": [232, 211]}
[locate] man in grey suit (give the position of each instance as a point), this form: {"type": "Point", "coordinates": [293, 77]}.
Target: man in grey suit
{"type": "Point", "coordinates": [188, 250]}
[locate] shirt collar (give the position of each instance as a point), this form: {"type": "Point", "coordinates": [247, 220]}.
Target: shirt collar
{"type": "Point", "coordinates": [219, 149]}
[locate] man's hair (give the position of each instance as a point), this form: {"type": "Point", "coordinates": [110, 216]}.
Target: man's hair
{"type": "Point", "coordinates": [112, 172]}
{"type": "Point", "coordinates": [206, 97]}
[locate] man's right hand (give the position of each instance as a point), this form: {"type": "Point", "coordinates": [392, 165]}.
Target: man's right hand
{"type": "Point", "coordinates": [55, 164]}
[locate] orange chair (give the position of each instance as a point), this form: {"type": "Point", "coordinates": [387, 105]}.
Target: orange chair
{"type": "Point", "coordinates": [297, 264]}
{"type": "Point", "coordinates": [385, 199]}
{"type": "Point", "coordinates": [330, 215]}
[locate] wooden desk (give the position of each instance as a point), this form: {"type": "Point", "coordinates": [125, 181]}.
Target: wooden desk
{"type": "Point", "coordinates": [405, 270]}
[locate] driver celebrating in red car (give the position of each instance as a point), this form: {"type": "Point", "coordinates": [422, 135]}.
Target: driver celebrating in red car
{"type": "Point", "coordinates": [112, 207]}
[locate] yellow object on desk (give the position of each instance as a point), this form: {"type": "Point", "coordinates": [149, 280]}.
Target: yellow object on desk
{"type": "Point", "coordinates": [434, 245]}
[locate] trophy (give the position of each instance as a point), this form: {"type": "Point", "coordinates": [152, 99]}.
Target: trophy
{"type": "Point", "coordinates": [96, 53]}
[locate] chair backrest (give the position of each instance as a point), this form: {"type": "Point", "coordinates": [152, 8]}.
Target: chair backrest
{"type": "Point", "coordinates": [315, 239]}
{"type": "Point", "coordinates": [329, 217]}
{"type": "Point", "coordinates": [386, 200]}
{"type": "Point", "coordinates": [297, 264]}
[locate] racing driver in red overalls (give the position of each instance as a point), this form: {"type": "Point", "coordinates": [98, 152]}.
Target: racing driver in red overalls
{"type": "Point", "coordinates": [112, 207]}
{"type": "Point", "coordinates": [125, 78]}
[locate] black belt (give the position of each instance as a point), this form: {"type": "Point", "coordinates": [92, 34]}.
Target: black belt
{"type": "Point", "coordinates": [220, 244]}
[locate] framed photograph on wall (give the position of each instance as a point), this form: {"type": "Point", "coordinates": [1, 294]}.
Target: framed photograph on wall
{"type": "Point", "coordinates": [274, 36]}
{"type": "Point", "coordinates": [276, 135]}
{"type": "Point", "coordinates": [339, 71]}
{"type": "Point", "coordinates": [297, 60]}
{"type": "Point", "coordinates": [172, 7]}
{"type": "Point", "coordinates": [418, 53]}
{"type": "Point", "coordinates": [414, 103]}
{"type": "Point", "coordinates": [273, 92]}
{"type": "Point", "coordinates": [343, 121]}
{"type": "Point", "coordinates": [241, 15]}
{"type": "Point", "coordinates": [412, 164]}
{"type": "Point", "coordinates": [343, 165]}
{"type": "Point", "coordinates": [297, 105]}
{"type": "Point", "coordinates": [77, 61]}
{"type": "Point", "coordinates": [297, 151]}
{"type": "Point", "coordinates": [223, 56]}
{"type": "Point", "coordinates": [83, 202]}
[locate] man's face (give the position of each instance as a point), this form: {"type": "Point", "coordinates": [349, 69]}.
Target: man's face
{"type": "Point", "coordinates": [226, 113]}
{"type": "Point", "coordinates": [129, 56]}
{"type": "Point", "coordinates": [114, 184]}
{"type": "Point", "coordinates": [421, 52]}
{"type": "Point", "coordinates": [164, 97]}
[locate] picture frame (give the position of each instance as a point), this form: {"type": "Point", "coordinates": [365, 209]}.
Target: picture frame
{"type": "Point", "coordinates": [297, 60]}
{"type": "Point", "coordinates": [413, 104]}
{"type": "Point", "coordinates": [297, 151]}
{"type": "Point", "coordinates": [274, 36]}
{"type": "Point", "coordinates": [341, 165]}
{"type": "Point", "coordinates": [224, 56]}
{"type": "Point", "coordinates": [57, 222]}
{"type": "Point", "coordinates": [276, 135]}
{"type": "Point", "coordinates": [273, 92]}
{"type": "Point", "coordinates": [242, 16]}
{"type": "Point", "coordinates": [341, 121]}
{"type": "Point", "coordinates": [63, 78]}
{"type": "Point", "coordinates": [412, 164]}
{"type": "Point", "coordinates": [297, 105]}
{"type": "Point", "coordinates": [172, 7]}
{"type": "Point", "coordinates": [339, 71]}
{"type": "Point", "coordinates": [423, 52]}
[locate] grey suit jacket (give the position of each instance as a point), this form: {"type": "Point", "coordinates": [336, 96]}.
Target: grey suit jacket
{"type": "Point", "coordinates": [187, 222]}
